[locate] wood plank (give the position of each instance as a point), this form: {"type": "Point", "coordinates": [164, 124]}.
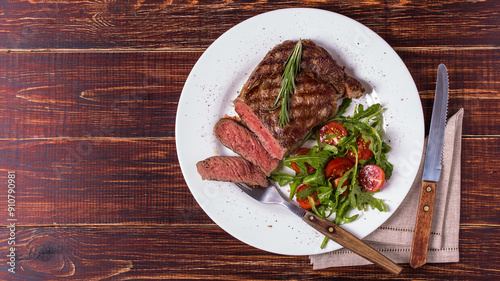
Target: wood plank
{"type": "Point", "coordinates": [99, 181]}
{"type": "Point", "coordinates": [204, 252]}
{"type": "Point", "coordinates": [139, 182]}
{"type": "Point", "coordinates": [186, 24]}
{"type": "Point", "coordinates": [473, 83]}
{"type": "Point", "coordinates": [91, 95]}
{"type": "Point", "coordinates": [46, 95]}
{"type": "Point", "coordinates": [480, 169]}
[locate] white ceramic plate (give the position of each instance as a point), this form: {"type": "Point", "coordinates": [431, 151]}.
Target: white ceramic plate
{"type": "Point", "coordinates": [219, 75]}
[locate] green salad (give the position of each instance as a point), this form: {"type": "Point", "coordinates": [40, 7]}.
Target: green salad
{"type": "Point", "coordinates": [344, 168]}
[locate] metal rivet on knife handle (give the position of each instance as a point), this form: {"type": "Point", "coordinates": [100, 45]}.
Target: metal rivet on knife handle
{"type": "Point", "coordinates": [426, 208]}
{"type": "Point", "coordinates": [429, 188]}
{"type": "Point", "coordinates": [331, 229]}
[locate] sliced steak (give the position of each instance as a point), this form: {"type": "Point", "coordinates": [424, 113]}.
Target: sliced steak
{"type": "Point", "coordinates": [231, 168]}
{"type": "Point", "coordinates": [320, 82]}
{"type": "Point", "coordinates": [242, 141]}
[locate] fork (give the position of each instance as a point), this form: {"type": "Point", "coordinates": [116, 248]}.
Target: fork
{"type": "Point", "coordinates": [271, 195]}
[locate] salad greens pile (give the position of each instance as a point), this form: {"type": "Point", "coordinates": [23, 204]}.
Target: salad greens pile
{"type": "Point", "coordinates": [367, 123]}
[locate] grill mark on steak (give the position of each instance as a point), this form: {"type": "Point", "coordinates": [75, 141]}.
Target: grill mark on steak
{"type": "Point", "coordinates": [231, 168]}
{"type": "Point", "coordinates": [320, 83]}
{"type": "Point", "coordinates": [242, 141]}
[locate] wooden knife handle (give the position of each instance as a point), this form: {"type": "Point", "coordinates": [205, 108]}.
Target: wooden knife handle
{"type": "Point", "coordinates": [350, 241]}
{"type": "Point", "coordinates": [418, 256]}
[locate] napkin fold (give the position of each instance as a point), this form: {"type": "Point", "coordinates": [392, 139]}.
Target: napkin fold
{"type": "Point", "coordinates": [394, 238]}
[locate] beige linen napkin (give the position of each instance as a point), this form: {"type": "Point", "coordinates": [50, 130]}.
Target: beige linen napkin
{"type": "Point", "coordinates": [394, 238]}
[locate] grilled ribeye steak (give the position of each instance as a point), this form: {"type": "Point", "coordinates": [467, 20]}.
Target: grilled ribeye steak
{"type": "Point", "coordinates": [231, 168]}
{"type": "Point", "coordinates": [242, 141]}
{"type": "Point", "coordinates": [320, 82]}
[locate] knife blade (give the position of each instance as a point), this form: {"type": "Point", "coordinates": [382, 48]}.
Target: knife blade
{"type": "Point", "coordinates": [432, 171]}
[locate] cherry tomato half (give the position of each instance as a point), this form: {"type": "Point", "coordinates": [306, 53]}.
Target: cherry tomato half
{"type": "Point", "coordinates": [337, 167]}
{"type": "Point", "coordinates": [371, 177]}
{"type": "Point", "coordinates": [364, 151]}
{"type": "Point", "coordinates": [302, 151]}
{"type": "Point", "coordinates": [332, 128]}
{"type": "Point", "coordinates": [304, 203]}
{"type": "Point", "coordinates": [335, 183]}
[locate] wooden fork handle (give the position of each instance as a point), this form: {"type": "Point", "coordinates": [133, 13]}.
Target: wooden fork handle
{"type": "Point", "coordinates": [350, 241]}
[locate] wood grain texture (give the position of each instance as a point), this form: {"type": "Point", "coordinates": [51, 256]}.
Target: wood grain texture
{"type": "Point", "coordinates": [143, 24]}
{"type": "Point", "coordinates": [98, 181]}
{"type": "Point", "coordinates": [473, 85]}
{"type": "Point", "coordinates": [207, 253]}
{"type": "Point", "coordinates": [47, 95]}
{"type": "Point", "coordinates": [425, 210]}
{"type": "Point", "coordinates": [139, 182]}
{"type": "Point", "coordinates": [91, 95]}
{"type": "Point", "coordinates": [88, 96]}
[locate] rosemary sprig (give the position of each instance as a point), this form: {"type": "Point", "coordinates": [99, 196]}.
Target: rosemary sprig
{"type": "Point", "coordinates": [292, 68]}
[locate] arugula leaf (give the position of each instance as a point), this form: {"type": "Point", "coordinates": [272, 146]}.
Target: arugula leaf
{"type": "Point", "coordinates": [283, 178]}
{"type": "Point", "coordinates": [343, 107]}
{"type": "Point", "coordinates": [306, 192]}
{"type": "Point", "coordinates": [377, 204]}
{"type": "Point", "coordinates": [317, 178]}
{"type": "Point", "coordinates": [316, 158]}
{"type": "Point", "coordinates": [360, 113]}
{"type": "Point", "coordinates": [293, 188]}
{"type": "Point", "coordinates": [365, 198]}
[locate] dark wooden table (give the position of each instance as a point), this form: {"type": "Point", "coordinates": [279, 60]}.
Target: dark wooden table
{"type": "Point", "coordinates": [88, 97]}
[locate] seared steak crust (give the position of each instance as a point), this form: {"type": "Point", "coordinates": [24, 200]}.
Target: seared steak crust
{"type": "Point", "coordinates": [242, 141]}
{"type": "Point", "coordinates": [320, 82]}
{"type": "Point", "coordinates": [231, 168]}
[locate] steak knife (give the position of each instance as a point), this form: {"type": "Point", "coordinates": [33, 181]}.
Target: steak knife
{"type": "Point", "coordinates": [432, 171]}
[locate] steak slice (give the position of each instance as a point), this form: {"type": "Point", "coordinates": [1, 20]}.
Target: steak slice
{"type": "Point", "coordinates": [231, 168]}
{"type": "Point", "coordinates": [242, 141]}
{"type": "Point", "coordinates": [320, 82]}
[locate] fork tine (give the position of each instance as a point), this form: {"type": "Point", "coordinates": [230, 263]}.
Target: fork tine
{"type": "Point", "coordinates": [252, 191]}
{"type": "Point", "coordinates": [270, 195]}
{"type": "Point", "coordinates": [257, 193]}
{"type": "Point", "coordinates": [247, 189]}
